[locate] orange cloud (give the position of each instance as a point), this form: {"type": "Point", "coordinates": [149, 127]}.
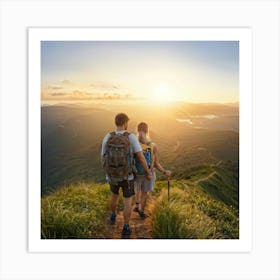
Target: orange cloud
{"type": "Point", "coordinates": [76, 95]}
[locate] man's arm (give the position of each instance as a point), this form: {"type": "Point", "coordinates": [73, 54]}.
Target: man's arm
{"type": "Point", "coordinates": [144, 164]}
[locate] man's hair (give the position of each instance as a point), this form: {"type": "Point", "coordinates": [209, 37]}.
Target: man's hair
{"type": "Point", "coordinates": [121, 119]}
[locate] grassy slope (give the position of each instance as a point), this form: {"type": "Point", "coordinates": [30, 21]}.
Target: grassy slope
{"type": "Point", "coordinates": [75, 212]}
{"type": "Point", "coordinates": [192, 213]}
{"type": "Point", "coordinates": [206, 208]}
{"type": "Point", "coordinates": [194, 210]}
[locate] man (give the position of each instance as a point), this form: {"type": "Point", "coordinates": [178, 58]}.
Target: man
{"type": "Point", "coordinates": [124, 181]}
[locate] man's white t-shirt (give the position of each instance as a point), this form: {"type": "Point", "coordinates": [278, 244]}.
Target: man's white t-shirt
{"type": "Point", "coordinates": [134, 146]}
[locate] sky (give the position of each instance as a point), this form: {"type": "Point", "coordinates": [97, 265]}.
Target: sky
{"type": "Point", "coordinates": [154, 71]}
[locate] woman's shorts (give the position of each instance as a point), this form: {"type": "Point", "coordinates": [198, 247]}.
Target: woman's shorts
{"type": "Point", "coordinates": [142, 183]}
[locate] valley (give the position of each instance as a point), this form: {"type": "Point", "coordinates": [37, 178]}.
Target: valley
{"type": "Point", "coordinates": [202, 153]}
{"type": "Point", "coordinates": [71, 139]}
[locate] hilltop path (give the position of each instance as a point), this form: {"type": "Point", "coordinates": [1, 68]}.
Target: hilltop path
{"type": "Point", "coordinates": [210, 175]}
{"type": "Point", "coordinates": [141, 228]}
{"type": "Point", "coordinates": [205, 178]}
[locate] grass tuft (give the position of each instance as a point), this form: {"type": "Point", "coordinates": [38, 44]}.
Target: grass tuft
{"type": "Point", "coordinates": [192, 215]}
{"type": "Point", "coordinates": [75, 212]}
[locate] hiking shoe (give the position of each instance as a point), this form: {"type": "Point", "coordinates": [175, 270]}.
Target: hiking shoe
{"type": "Point", "coordinates": [142, 214]}
{"type": "Point", "coordinates": [113, 218]}
{"type": "Point", "coordinates": [136, 209]}
{"type": "Point", "coordinates": [126, 231]}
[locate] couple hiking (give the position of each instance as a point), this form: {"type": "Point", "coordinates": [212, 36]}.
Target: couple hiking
{"type": "Point", "coordinates": [128, 161]}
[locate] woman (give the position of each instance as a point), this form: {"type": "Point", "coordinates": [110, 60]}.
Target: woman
{"type": "Point", "coordinates": [143, 185]}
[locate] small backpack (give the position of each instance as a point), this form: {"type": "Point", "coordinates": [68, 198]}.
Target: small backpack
{"type": "Point", "coordinates": [118, 160]}
{"type": "Point", "coordinates": [148, 151]}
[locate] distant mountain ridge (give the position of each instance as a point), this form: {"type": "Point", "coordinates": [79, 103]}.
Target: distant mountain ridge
{"type": "Point", "coordinates": [71, 139]}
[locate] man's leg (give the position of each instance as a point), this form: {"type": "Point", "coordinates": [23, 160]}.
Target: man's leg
{"type": "Point", "coordinates": [127, 209]}
{"type": "Point", "coordinates": [113, 207]}
{"type": "Point", "coordinates": [113, 202]}
{"type": "Point", "coordinates": [128, 192]}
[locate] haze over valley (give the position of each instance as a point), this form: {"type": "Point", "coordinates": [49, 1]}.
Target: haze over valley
{"type": "Point", "coordinates": [188, 136]}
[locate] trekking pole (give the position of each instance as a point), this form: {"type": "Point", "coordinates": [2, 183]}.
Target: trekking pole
{"type": "Point", "coordinates": [168, 196]}
{"type": "Point", "coordinates": [168, 192]}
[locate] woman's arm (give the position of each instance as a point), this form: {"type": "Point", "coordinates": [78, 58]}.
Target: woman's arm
{"type": "Point", "coordinates": [158, 166]}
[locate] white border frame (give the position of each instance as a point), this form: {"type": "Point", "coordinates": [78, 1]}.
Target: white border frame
{"type": "Point", "coordinates": [243, 35]}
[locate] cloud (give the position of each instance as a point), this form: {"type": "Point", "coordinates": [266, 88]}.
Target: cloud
{"type": "Point", "coordinates": [105, 86]}
{"type": "Point", "coordinates": [54, 92]}
{"type": "Point", "coordinates": [58, 94]}
{"type": "Point", "coordinates": [66, 82]}
{"type": "Point", "coordinates": [82, 94]}
{"type": "Point", "coordinates": [54, 87]}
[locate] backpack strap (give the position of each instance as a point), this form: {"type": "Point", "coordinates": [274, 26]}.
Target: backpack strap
{"type": "Point", "coordinates": [132, 163]}
{"type": "Point", "coordinates": [151, 146]}
{"type": "Point", "coordinates": [126, 134]}
{"type": "Point", "coordinates": [153, 157]}
{"type": "Point", "coordinates": [114, 133]}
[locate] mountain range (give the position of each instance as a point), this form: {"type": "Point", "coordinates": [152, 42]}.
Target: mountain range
{"type": "Point", "coordinates": [190, 138]}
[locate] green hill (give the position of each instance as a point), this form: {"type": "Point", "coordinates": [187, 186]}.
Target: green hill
{"type": "Point", "coordinates": [194, 211]}
{"type": "Point", "coordinates": [71, 139]}
{"type": "Point", "coordinates": [199, 143]}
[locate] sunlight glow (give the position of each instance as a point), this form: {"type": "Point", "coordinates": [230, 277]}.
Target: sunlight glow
{"type": "Point", "coordinates": [158, 72]}
{"type": "Point", "coordinates": [162, 94]}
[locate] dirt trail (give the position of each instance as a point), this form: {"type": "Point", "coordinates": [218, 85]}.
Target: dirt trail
{"type": "Point", "coordinates": [205, 178]}
{"type": "Point", "coordinates": [141, 228]}
{"type": "Point", "coordinates": [208, 176]}
{"type": "Point", "coordinates": [187, 187]}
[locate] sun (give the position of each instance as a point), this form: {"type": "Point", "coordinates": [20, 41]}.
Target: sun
{"type": "Point", "coordinates": [162, 94]}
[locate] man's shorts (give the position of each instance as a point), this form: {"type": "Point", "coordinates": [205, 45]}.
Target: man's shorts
{"type": "Point", "coordinates": [126, 186]}
{"type": "Point", "coordinates": [142, 183]}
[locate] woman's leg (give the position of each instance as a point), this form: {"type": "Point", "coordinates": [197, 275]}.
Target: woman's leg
{"type": "Point", "coordinates": [138, 194]}
{"type": "Point", "coordinates": [143, 199]}
{"type": "Point", "coordinates": [137, 197]}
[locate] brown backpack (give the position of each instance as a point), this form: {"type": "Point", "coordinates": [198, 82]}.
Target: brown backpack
{"type": "Point", "coordinates": [118, 159]}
